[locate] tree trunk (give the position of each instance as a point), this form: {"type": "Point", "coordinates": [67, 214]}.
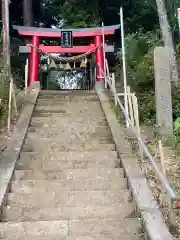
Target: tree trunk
{"type": "Point", "coordinates": [27, 13]}
{"type": "Point", "coordinates": [167, 36]}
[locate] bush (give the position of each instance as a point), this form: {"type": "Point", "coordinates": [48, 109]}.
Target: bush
{"type": "Point", "coordinates": [140, 70]}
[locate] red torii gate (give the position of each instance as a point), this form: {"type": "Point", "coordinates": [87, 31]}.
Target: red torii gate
{"type": "Point", "coordinates": [36, 34]}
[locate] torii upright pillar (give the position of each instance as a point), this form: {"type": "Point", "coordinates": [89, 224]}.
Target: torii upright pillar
{"type": "Point", "coordinates": [99, 58]}
{"type": "Point", "coordinates": [34, 61]}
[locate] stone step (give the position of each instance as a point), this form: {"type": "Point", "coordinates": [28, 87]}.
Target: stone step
{"type": "Point", "coordinates": [64, 112]}
{"type": "Point", "coordinates": [29, 186]}
{"type": "Point", "coordinates": [23, 230]}
{"type": "Point", "coordinates": [63, 98]}
{"type": "Point", "coordinates": [70, 100]}
{"type": "Point", "coordinates": [127, 229]}
{"type": "Point", "coordinates": [67, 112]}
{"type": "Point", "coordinates": [84, 136]}
{"type": "Point", "coordinates": [33, 139]}
{"type": "Point", "coordinates": [70, 104]}
{"type": "Point", "coordinates": [44, 130]}
{"type": "Point", "coordinates": [67, 138]}
{"type": "Point", "coordinates": [55, 147]}
{"type": "Point", "coordinates": [69, 198]}
{"type": "Point", "coordinates": [57, 165]}
{"type": "Point", "coordinates": [66, 120]}
{"type": "Point", "coordinates": [83, 107]}
{"type": "Point", "coordinates": [70, 156]}
{"type": "Point", "coordinates": [46, 114]}
{"type": "Point", "coordinates": [49, 97]}
{"type": "Point", "coordinates": [59, 161]}
{"type": "Point", "coordinates": [57, 237]}
{"type": "Point", "coordinates": [93, 111]}
{"type": "Point", "coordinates": [63, 118]}
{"type": "Point", "coordinates": [75, 108]}
{"type": "Point", "coordinates": [68, 93]}
{"type": "Point", "coordinates": [94, 229]}
{"type": "Point", "coordinates": [37, 114]}
{"type": "Point", "coordinates": [89, 173]}
{"type": "Point", "coordinates": [42, 133]}
{"type": "Point", "coordinates": [116, 211]}
{"type": "Point", "coordinates": [69, 124]}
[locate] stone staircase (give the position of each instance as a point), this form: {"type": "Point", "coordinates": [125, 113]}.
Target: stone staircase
{"type": "Point", "coordinates": [68, 182]}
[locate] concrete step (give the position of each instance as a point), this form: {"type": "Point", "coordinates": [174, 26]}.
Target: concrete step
{"type": "Point", "coordinates": [37, 114]}
{"type": "Point", "coordinates": [70, 105]}
{"type": "Point", "coordinates": [94, 111]}
{"type": "Point", "coordinates": [85, 125]}
{"type": "Point", "coordinates": [29, 186]}
{"type": "Point", "coordinates": [68, 230]}
{"type": "Point", "coordinates": [116, 211]}
{"type": "Point", "coordinates": [70, 100]}
{"type": "Point", "coordinates": [99, 237]}
{"type": "Point", "coordinates": [23, 230]}
{"type": "Point", "coordinates": [64, 118]}
{"type": "Point", "coordinates": [44, 113]}
{"type": "Point", "coordinates": [89, 173]}
{"type": "Point", "coordinates": [81, 123]}
{"type": "Point", "coordinates": [70, 156]}
{"type": "Point", "coordinates": [57, 165]}
{"type": "Point", "coordinates": [74, 126]}
{"type": "Point", "coordinates": [53, 133]}
{"type": "Point", "coordinates": [34, 136]}
{"type": "Point", "coordinates": [55, 147]}
{"type": "Point", "coordinates": [83, 107]}
{"type": "Point", "coordinates": [67, 160]}
{"type": "Point", "coordinates": [128, 229]}
{"type": "Point", "coordinates": [68, 93]}
{"type": "Point", "coordinates": [69, 198]}
{"type": "Point", "coordinates": [67, 135]}
{"type": "Point", "coordinates": [65, 112]}
{"type": "Point", "coordinates": [38, 174]}
{"type": "Point", "coordinates": [33, 139]}
{"type": "Point", "coordinates": [66, 98]}
{"type": "Point", "coordinates": [45, 131]}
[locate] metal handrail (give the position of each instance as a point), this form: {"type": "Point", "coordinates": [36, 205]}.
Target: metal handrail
{"type": "Point", "coordinates": [162, 178]}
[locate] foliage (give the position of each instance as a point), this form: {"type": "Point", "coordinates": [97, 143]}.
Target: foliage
{"type": "Point", "coordinates": [172, 6]}
{"type": "Point", "coordinates": [81, 13]}
{"type": "Point", "coordinates": [176, 114]}
{"type": "Point", "coordinates": [139, 58]}
{"type": "Point", "coordinates": [85, 16]}
{"type": "Point", "coordinates": [177, 124]}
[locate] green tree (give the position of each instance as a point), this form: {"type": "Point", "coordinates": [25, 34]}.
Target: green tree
{"type": "Point", "coordinates": [74, 13]}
